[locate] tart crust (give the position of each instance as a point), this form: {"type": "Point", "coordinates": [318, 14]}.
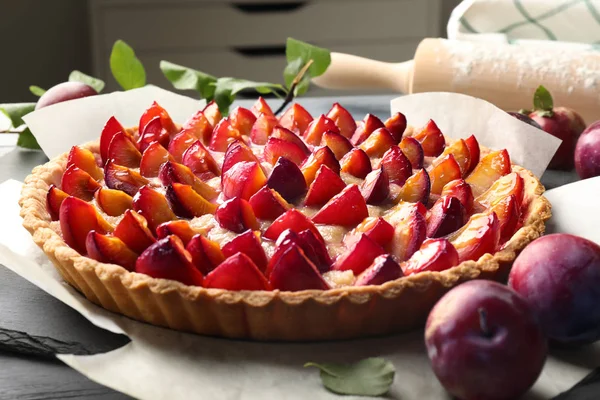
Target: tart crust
{"type": "Point", "coordinates": [309, 315]}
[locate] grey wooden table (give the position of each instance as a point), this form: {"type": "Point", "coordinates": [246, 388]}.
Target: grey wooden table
{"type": "Point", "coordinates": [34, 326]}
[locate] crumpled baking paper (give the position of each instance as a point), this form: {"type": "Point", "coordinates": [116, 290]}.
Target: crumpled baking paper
{"type": "Point", "coordinates": [575, 209]}
{"type": "Point", "coordinates": [160, 363]}
{"type": "Point", "coordinates": [460, 116]}
{"type": "Point", "coordinates": [62, 125]}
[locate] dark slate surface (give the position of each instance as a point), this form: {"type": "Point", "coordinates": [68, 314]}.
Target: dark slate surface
{"type": "Point", "coordinates": [34, 326]}
{"type": "Point", "coordinates": [33, 322]}
{"type": "Point", "coordinates": [27, 378]}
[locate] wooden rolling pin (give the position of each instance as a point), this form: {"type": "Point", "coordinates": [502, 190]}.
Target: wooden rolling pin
{"type": "Point", "coordinates": [506, 75]}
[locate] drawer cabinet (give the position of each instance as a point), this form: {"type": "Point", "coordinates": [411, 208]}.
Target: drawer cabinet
{"type": "Point", "coordinates": [246, 39]}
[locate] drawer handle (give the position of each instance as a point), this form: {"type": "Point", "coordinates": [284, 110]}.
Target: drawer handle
{"type": "Point", "coordinates": [255, 8]}
{"type": "Point", "coordinates": [260, 51]}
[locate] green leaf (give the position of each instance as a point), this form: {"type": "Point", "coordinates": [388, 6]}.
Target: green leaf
{"type": "Point", "coordinates": [184, 78]}
{"type": "Point", "coordinates": [227, 88]}
{"type": "Point", "coordinates": [127, 70]}
{"type": "Point", "coordinates": [321, 57]}
{"type": "Point", "coordinates": [16, 111]}
{"type": "Point", "coordinates": [542, 100]}
{"type": "Point", "coordinates": [292, 69]}
{"type": "Point", "coordinates": [95, 83]}
{"type": "Point", "coordinates": [237, 85]}
{"type": "Point", "coordinates": [36, 90]}
{"type": "Point", "coordinates": [368, 377]}
{"type": "Point", "coordinates": [298, 54]}
{"type": "Point", "coordinates": [27, 140]}
{"type": "Point", "coordinates": [223, 96]}
{"type": "Point", "coordinates": [302, 86]}
{"type": "Point", "coordinates": [3, 124]}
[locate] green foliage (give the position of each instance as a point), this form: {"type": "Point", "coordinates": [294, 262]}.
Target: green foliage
{"type": "Point", "coordinates": [94, 83]}
{"type": "Point", "coordinates": [184, 78]}
{"type": "Point", "coordinates": [224, 90]}
{"type": "Point", "coordinates": [298, 54]}
{"type": "Point", "coordinates": [291, 71]}
{"type": "Point", "coordinates": [36, 90]}
{"type": "Point", "coordinates": [27, 140]}
{"type": "Point", "coordinates": [126, 68]}
{"type": "Point", "coordinates": [16, 112]}
{"type": "Point", "coordinates": [129, 73]}
{"type": "Point", "coordinates": [368, 377]}
{"type": "Point", "coordinates": [542, 101]}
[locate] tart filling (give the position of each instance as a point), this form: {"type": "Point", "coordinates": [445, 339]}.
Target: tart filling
{"type": "Point", "coordinates": [245, 199]}
{"type": "Point", "coordinates": [256, 203]}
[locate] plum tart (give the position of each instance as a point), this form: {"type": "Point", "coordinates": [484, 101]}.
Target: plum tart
{"type": "Point", "coordinates": [279, 228]}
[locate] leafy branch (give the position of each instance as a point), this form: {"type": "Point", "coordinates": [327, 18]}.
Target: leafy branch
{"type": "Point", "coordinates": [304, 61]}
{"type": "Point", "coordinates": [290, 95]}
{"type": "Point", "coordinates": [15, 113]}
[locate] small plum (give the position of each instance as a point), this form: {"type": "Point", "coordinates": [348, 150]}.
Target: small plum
{"type": "Point", "coordinates": [566, 125]}
{"type": "Point", "coordinates": [558, 275]}
{"type": "Point", "coordinates": [63, 92]}
{"type": "Point", "coordinates": [587, 152]}
{"type": "Point", "coordinates": [484, 342]}
{"type": "Point", "coordinates": [561, 122]}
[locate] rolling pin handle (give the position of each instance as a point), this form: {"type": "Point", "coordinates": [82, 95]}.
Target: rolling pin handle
{"type": "Point", "coordinates": [352, 72]}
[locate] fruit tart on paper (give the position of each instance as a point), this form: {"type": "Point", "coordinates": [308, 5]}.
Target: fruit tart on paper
{"type": "Point", "coordinates": [289, 228]}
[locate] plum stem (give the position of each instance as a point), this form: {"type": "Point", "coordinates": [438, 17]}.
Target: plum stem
{"type": "Point", "coordinates": [290, 95]}
{"type": "Point", "coordinates": [483, 323]}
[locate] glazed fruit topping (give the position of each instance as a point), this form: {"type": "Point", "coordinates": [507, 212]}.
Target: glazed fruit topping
{"type": "Point", "coordinates": [237, 272]}
{"type": "Point", "coordinates": [383, 269]}
{"type": "Point", "coordinates": [180, 228]}
{"type": "Point", "coordinates": [365, 127]}
{"type": "Point", "coordinates": [250, 201]}
{"type": "Point", "coordinates": [433, 255]}
{"type": "Point", "coordinates": [432, 139]}
{"type": "Point", "coordinates": [236, 215]}
{"type": "Point", "coordinates": [110, 249]}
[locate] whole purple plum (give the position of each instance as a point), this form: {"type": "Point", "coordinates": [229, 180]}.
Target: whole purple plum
{"type": "Point", "coordinates": [566, 125]}
{"type": "Point", "coordinates": [587, 152]}
{"type": "Point", "coordinates": [63, 92]}
{"type": "Point", "coordinates": [559, 276]}
{"type": "Point", "coordinates": [484, 342]}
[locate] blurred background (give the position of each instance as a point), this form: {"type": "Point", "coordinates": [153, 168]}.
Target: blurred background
{"type": "Point", "coordinates": [242, 38]}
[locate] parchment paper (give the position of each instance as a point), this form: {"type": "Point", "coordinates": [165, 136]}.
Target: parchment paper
{"type": "Point", "coordinates": [460, 116]}
{"type": "Point", "coordinates": [575, 209]}
{"type": "Point", "coordinates": [164, 364]}
{"type": "Point", "coordinates": [62, 125]}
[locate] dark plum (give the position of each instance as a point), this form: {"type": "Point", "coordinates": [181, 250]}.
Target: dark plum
{"type": "Point", "coordinates": [63, 92]}
{"type": "Point", "coordinates": [566, 125]}
{"type": "Point", "coordinates": [484, 342]}
{"type": "Point", "coordinates": [561, 122]}
{"type": "Point", "coordinates": [287, 179]}
{"type": "Point", "coordinates": [559, 275]}
{"type": "Point", "coordinates": [587, 152]}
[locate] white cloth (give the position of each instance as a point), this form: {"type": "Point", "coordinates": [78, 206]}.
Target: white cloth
{"type": "Point", "coordinates": [575, 23]}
